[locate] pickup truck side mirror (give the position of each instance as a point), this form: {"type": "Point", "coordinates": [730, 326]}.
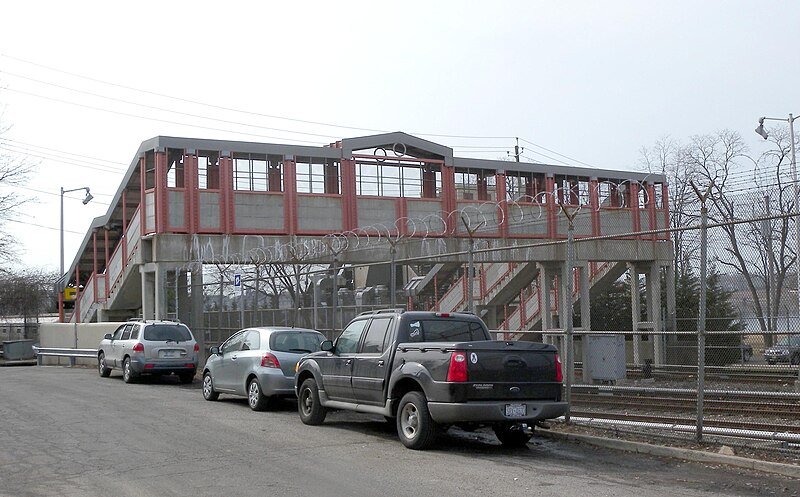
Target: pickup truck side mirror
{"type": "Point", "coordinates": [214, 350]}
{"type": "Point", "coordinates": [107, 336]}
{"type": "Point", "coordinates": [326, 345]}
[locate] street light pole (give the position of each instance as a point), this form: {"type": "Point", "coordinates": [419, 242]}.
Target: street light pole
{"type": "Point", "coordinates": [62, 282]}
{"type": "Point", "coordinates": [796, 188]}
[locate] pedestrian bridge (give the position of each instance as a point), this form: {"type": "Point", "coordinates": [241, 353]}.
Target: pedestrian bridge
{"type": "Point", "coordinates": [185, 203]}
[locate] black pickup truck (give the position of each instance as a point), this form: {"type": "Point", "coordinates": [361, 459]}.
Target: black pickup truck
{"type": "Point", "coordinates": [425, 370]}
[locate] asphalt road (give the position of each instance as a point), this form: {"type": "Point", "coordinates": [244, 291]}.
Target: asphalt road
{"type": "Point", "coordinates": [68, 432]}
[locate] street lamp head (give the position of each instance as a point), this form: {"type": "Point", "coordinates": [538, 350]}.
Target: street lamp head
{"type": "Point", "coordinates": [88, 198]}
{"type": "Point", "coordinates": [760, 129]}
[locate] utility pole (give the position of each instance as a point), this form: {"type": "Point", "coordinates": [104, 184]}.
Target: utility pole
{"type": "Point", "coordinates": [518, 150]}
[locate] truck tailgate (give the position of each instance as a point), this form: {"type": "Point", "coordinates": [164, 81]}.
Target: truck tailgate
{"type": "Point", "coordinates": [508, 370]}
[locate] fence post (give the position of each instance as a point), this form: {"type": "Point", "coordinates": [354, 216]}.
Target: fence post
{"type": "Point", "coordinates": [701, 315]}
{"type": "Point", "coordinates": [566, 306]}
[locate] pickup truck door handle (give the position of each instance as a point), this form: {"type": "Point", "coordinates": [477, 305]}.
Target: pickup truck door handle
{"type": "Point", "coordinates": [381, 363]}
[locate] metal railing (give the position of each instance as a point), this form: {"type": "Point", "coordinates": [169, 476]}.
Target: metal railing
{"type": "Point", "coordinates": [63, 352]}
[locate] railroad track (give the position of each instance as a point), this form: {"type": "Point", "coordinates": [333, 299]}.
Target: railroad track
{"type": "Point", "coordinates": [774, 409]}
{"type": "Point", "coordinates": [689, 421]}
{"type": "Point", "coordinates": [755, 375]}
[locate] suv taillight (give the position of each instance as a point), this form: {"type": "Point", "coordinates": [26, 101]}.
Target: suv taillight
{"type": "Point", "coordinates": [270, 361]}
{"type": "Point", "coordinates": [458, 367]}
{"type": "Point", "coordinates": [139, 347]}
{"type": "Point", "coordinates": [197, 347]}
{"type": "Point", "coordinates": [559, 374]}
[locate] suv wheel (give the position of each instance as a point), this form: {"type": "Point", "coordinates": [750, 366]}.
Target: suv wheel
{"type": "Point", "coordinates": [308, 405]}
{"type": "Point", "coordinates": [101, 366]}
{"type": "Point", "coordinates": [127, 373]}
{"type": "Point", "coordinates": [256, 399]}
{"type": "Point", "coordinates": [415, 426]}
{"type": "Point", "coordinates": [208, 387]}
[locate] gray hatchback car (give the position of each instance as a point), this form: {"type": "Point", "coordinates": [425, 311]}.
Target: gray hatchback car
{"type": "Point", "coordinates": [149, 347]}
{"type": "Point", "coordinates": [258, 363]}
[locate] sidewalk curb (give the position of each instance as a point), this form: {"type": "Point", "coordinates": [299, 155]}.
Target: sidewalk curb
{"type": "Point", "coordinates": [789, 470]}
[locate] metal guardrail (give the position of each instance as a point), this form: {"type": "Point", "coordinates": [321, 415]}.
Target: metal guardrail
{"type": "Point", "coordinates": [63, 352]}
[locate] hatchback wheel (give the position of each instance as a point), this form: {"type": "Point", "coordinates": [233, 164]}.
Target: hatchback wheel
{"type": "Point", "coordinates": [208, 387]}
{"type": "Point", "coordinates": [101, 366]}
{"type": "Point", "coordinates": [256, 399]}
{"type": "Point", "coordinates": [127, 373]}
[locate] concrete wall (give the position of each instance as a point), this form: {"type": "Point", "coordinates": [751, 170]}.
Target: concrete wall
{"type": "Point", "coordinates": [88, 336]}
{"type": "Point", "coordinates": [259, 211]}
{"type": "Point", "coordinates": [176, 211]}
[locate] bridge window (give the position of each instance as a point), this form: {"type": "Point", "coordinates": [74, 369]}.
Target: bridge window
{"type": "Point", "coordinates": [612, 193]}
{"type": "Point", "coordinates": [175, 170]}
{"type": "Point", "coordinates": [572, 190]}
{"type": "Point", "coordinates": [208, 170]}
{"type": "Point", "coordinates": [398, 179]}
{"type": "Point", "coordinates": [149, 170]}
{"type": "Point", "coordinates": [257, 173]}
{"type": "Point", "coordinates": [475, 184]}
{"type": "Point", "coordinates": [524, 187]}
{"type": "Point", "coordinates": [317, 175]}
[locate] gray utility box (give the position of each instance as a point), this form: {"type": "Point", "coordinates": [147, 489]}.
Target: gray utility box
{"type": "Point", "coordinates": [18, 350]}
{"type": "Point", "coordinates": [603, 358]}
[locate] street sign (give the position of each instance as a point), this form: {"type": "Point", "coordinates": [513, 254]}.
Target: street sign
{"type": "Point", "coordinates": [237, 282]}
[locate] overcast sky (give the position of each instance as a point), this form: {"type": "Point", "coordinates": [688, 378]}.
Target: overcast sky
{"type": "Point", "coordinates": [580, 83]}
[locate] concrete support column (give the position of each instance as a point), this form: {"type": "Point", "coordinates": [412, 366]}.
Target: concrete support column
{"type": "Point", "coordinates": [654, 311]}
{"type": "Point", "coordinates": [546, 281]}
{"type": "Point", "coordinates": [148, 293]}
{"type": "Point", "coordinates": [636, 299]}
{"type": "Point", "coordinates": [196, 305]}
{"type": "Point", "coordinates": [184, 305]}
{"type": "Point", "coordinates": [671, 324]}
{"type": "Point", "coordinates": [160, 273]}
{"type": "Point", "coordinates": [586, 317]}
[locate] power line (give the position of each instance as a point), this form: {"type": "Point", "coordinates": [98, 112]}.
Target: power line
{"type": "Point", "coordinates": [230, 109]}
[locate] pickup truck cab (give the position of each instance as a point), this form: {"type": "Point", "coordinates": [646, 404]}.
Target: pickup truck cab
{"type": "Point", "coordinates": [425, 370]}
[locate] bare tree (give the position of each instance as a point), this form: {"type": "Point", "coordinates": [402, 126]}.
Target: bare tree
{"type": "Point", "coordinates": [760, 253]}
{"type": "Point", "coordinates": [27, 294]}
{"type": "Point", "coordinates": [14, 172]}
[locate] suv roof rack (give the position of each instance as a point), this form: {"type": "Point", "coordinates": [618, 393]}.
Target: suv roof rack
{"type": "Point", "coordinates": [397, 310]}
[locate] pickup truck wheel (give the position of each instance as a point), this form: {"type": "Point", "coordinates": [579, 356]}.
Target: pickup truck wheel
{"type": "Point", "coordinates": [308, 405]}
{"type": "Point", "coordinates": [511, 436]}
{"type": "Point", "coordinates": [414, 424]}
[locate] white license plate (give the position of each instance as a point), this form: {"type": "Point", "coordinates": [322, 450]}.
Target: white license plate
{"type": "Point", "coordinates": [516, 410]}
{"type": "Point", "coordinates": [169, 354]}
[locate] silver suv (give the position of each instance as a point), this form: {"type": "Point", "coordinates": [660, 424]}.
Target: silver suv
{"type": "Point", "coordinates": [149, 347]}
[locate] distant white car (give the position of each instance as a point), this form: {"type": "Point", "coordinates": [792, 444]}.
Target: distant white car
{"type": "Point", "coordinates": [149, 347]}
{"type": "Point", "coordinates": [258, 363]}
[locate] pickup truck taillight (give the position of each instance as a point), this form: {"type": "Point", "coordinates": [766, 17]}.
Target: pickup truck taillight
{"type": "Point", "coordinates": [270, 361]}
{"type": "Point", "coordinates": [458, 367]}
{"type": "Point", "coordinates": [559, 374]}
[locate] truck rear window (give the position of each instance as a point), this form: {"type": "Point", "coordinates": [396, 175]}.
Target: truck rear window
{"type": "Point", "coordinates": [445, 330]}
